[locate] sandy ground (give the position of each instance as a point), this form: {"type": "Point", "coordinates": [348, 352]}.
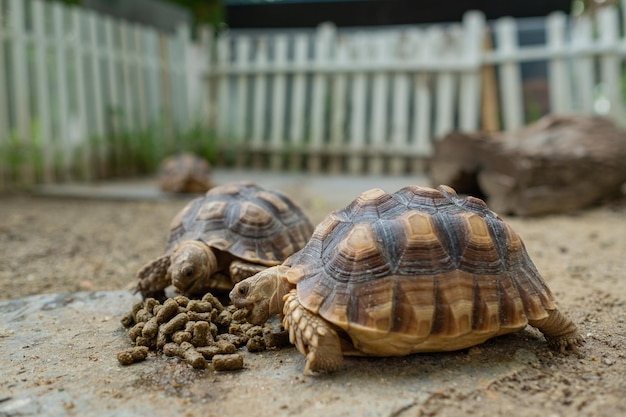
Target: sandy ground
{"type": "Point", "coordinates": [64, 245]}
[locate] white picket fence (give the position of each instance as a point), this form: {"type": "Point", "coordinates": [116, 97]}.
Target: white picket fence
{"type": "Point", "coordinates": [78, 90]}
{"type": "Point", "coordinates": [374, 100]}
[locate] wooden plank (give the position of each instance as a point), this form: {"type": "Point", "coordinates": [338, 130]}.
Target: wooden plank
{"type": "Point", "coordinates": [583, 63]}
{"type": "Point", "coordinates": [21, 94]}
{"type": "Point", "coordinates": [510, 77]}
{"type": "Point", "coordinates": [558, 73]}
{"type": "Point", "coordinates": [61, 92]}
{"type": "Point", "coordinates": [4, 109]}
{"type": "Point", "coordinates": [611, 63]}
{"type": "Point", "coordinates": [180, 64]}
{"type": "Point", "coordinates": [445, 82]}
{"type": "Point", "coordinates": [324, 37]}
{"type": "Point", "coordinates": [399, 123]}
{"type": "Point", "coordinates": [298, 96]}
{"type": "Point", "coordinates": [222, 101]}
{"type": "Point", "coordinates": [258, 101]}
{"type": "Point", "coordinates": [140, 80]}
{"type": "Point", "coordinates": [490, 106]}
{"type": "Point", "coordinates": [94, 22]}
{"type": "Point", "coordinates": [422, 129]}
{"type": "Point", "coordinates": [113, 107]}
{"type": "Point", "coordinates": [79, 118]}
{"type": "Point", "coordinates": [358, 106]}
{"type": "Point", "coordinates": [241, 129]}
{"type": "Point", "coordinates": [338, 114]}
{"type": "Point", "coordinates": [469, 91]}
{"type": "Point", "coordinates": [42, 95]}
{"type": "Point", "coordinates": [279, 95]}
{"type": "Point", "coordinates": [378, 128]}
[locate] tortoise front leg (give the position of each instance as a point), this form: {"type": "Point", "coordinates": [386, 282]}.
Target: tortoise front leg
{"type": "Point", "coordinates": [240, 270]}
{"type": "Point", "coordinates": [154, 277]}
{"type": "Point", "coordinates": [560, 332]}
{"type": "Point", "coordinates": [313, 336]}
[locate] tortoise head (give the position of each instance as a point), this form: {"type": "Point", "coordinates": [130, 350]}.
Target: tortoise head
{"type": "Point", "coordinates": [262, 294]}
{"type": "Point", "coordinates": [192, 265]}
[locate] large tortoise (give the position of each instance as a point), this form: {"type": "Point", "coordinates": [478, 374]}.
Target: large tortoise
{"type": "Point", "coordinates": [229, 234]}
{"type": "Point", "coordinates": [420, 270]}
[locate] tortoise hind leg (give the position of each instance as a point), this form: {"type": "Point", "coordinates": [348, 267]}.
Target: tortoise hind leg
{"type": "Point", "coordinates": [313, 336]}
{"type": "Point", "coordinates": [560, 332]}
{"type": "Point", "coordinates": [154, 277]}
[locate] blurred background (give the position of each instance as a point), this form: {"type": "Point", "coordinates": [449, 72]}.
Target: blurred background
{"type": "Point", "coordinates": [99, 89]}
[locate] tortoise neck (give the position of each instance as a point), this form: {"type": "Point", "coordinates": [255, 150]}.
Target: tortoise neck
{"type": "Point", "coordinates": [210, 258]}
{"type": "Point", "coordinates": [277, 301]}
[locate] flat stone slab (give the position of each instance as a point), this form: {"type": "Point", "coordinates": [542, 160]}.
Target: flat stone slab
{"type": "Point", "coordinates": [58, 356]}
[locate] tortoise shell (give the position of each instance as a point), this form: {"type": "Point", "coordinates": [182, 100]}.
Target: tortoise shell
{"type": "Point", "coordinates": [252, 223]}
{"type": "Point", "coordinates": [184, 173]}
{"type": "Point", "coordinates": [418, 270]}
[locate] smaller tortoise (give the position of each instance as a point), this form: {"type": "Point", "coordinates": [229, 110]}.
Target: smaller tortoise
{"type": "Point", "coordinates": [185, 173]}
{"type": "Point", "coordinates": [231, 233]}
{"type": "Point", "coordinates": [421, 270]}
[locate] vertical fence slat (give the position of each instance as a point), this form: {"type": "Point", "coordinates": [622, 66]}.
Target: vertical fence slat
{"type": "Point", "coordinates": [179, 67]}
{"type": "Point", "coordinates": [324, 37]}
{"type": "Point", "coordinates": [338, 108]}
{"type": "Point", "coordinates": [21, 94]}
{"type": "Point", "coordinates": [43, 96]}
{"type": "Point", "coordinates": [4, 109]}
{"type": "Point", "coordinates": [79, 118]}
{"type": "Point", "coordinates": [298, 90]}
{"type": "Point", "coordinates": [510, 76]}
{"type": "Point", "coordinates": [97, 99]}
{"type": "Point", "coordinates": [112, 106]}
{"type": "Point", "coordinates": [444, 85]}
{"type": "Point", "coordinates": [582, 63]}
{"type": "Point", "coordinates": [469, 92]}
{"type": "Point", "coordinates": [558, 73]}
{"type": "Point", "coordinates": [61, 91]}
{"type": "Point", "coordinates": [399, 122]}
{"type": "Point", "coordinates": [242, 58]}
{"type": "Point", "coordinates": [422, 101]}
{"type": "Point", "coordinates": [357, 105]}
{"type": "Point", "coordinates": [258, 101]}
{"type": "Point", "coordinates": [140, 79]}
{"type": "Point", "coordinates": [378, 126]}
{"type": "Point", "coordinates": [222, 90]}
{"type": "Point", "coordinates": [279, 94]}
{"type": "Point", "coordinates": [610, 63]}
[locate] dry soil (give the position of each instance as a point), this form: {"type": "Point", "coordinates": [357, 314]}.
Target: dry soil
{"type": "Point", "coordinates": [63, 245]}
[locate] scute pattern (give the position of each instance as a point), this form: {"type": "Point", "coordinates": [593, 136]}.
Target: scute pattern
{"type": "Point", "coordinates": [422, 264]}
{"type": "Point", "coordinates": [245, 220]}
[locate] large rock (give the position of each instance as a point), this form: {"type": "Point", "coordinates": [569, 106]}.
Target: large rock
{"type": "Point", "coordinates": [558, 164]}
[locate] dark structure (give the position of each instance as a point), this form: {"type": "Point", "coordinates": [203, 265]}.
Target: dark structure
{"type": "Point", "coordinates": [310, 13]}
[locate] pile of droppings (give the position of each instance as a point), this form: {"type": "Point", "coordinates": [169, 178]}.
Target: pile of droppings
{"type": "Point", "coordinates": [197, 331]}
